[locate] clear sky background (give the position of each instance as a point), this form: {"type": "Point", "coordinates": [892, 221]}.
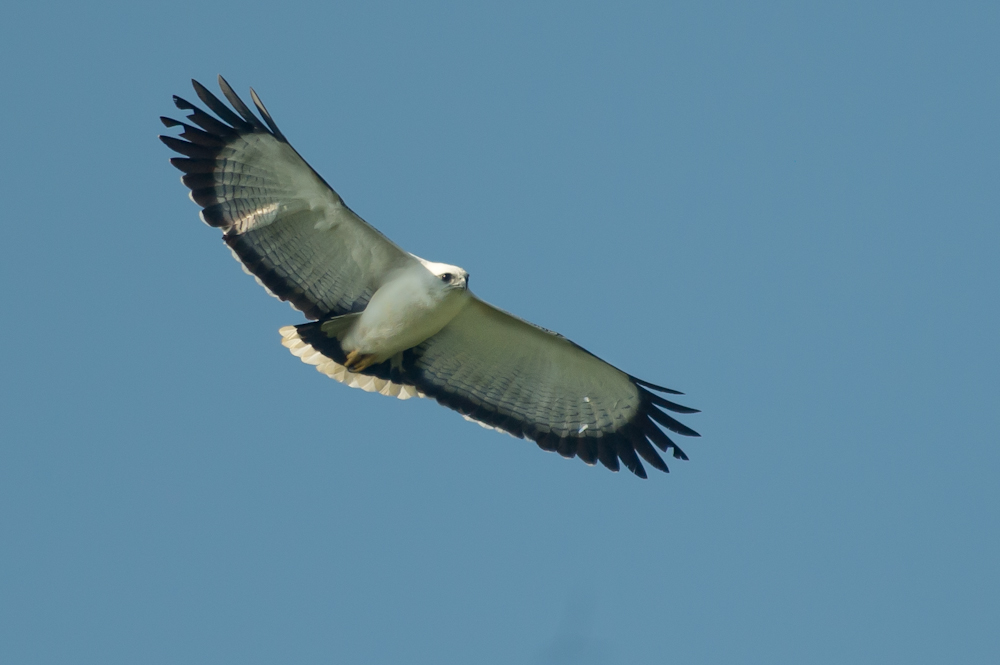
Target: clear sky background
{"type": "Point", "coordinates": [787, 210]}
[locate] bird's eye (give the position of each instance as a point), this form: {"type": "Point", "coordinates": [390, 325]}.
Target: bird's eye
{"type": "Point", "coordinates": [446, 277]}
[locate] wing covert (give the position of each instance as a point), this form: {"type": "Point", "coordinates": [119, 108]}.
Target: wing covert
{"type": "Point", "coordinates": [511, 375]}
{"type": "Point", "coordinates": [284, 223]}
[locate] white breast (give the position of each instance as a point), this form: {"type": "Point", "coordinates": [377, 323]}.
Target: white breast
{"type": "Point", "coordinates": [405, 311]}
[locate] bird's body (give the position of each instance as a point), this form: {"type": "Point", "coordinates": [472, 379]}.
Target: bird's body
{"type": "Point", "coordinates": [390, 322]}
{"type": "Point", "coordinates": [415, 303]}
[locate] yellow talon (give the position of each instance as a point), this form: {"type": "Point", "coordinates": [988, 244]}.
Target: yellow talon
{"type": "Point", "coordinates": [357, 362]}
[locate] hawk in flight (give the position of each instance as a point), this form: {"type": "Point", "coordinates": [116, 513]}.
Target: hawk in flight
{"type": "Point", "coordinates": [387, 321]}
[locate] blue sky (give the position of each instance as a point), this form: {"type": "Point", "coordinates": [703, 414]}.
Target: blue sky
{"type": "Point", "coordinates": [787, 211]}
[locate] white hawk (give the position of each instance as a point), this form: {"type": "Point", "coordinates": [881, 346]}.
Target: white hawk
{"type": "Point", "coordinates": [387, 321]}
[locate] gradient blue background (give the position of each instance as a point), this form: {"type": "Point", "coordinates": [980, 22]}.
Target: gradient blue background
{"type": "Point", "coordinates": [789, 213]}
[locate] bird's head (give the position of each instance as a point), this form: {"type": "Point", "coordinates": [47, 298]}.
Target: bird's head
{"type": "Point", "coordinates": [452, 277]}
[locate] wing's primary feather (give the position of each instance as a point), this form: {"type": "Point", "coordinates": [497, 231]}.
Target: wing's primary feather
{"type": "Point", "coordinates": [281, 219]}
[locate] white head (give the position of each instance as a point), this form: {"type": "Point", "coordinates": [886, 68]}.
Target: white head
{"type": "Point", "coordinates": [451, 277]}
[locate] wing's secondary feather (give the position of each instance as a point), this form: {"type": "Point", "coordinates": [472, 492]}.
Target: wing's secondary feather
{"type": "Point", "coordinates": [290, 229]}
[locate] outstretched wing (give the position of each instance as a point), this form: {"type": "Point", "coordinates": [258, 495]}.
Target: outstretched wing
{"type": "Point", "coordinates": [510, 375]}
{"type": "Point", "coordinates": [280, 218]}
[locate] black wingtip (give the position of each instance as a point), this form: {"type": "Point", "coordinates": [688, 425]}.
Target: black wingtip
{"type": "Point", "coordinates": [607, 453]}
{"type": "Point", "coordinates": [267, 116]}
{"type": "Point", "coordinates": [626, 453]}
{"type": "Point", "coordinates": [671, 424]}
{"type": "Point", "coordinates": [238, 104]}
{"type": "Point", "coordinates": [655, 387]}
{"type": "Point", "coordinates": [666, 403]}
{"type": "Point", "coordinates": [645, 450]}
{"type": "Point", "coordinates": [183, 104]}
{"type": "Point", "coordinates": [187, 148]}
{"type": "Point", "coordinates": [218, 107]}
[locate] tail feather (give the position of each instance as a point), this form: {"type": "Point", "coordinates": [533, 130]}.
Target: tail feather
{"type": "Point", "coordinates": [318, 343]}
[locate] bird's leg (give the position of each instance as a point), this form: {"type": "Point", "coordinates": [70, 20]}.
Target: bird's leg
{"type": "Point", "coordinates": [357, 362]}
